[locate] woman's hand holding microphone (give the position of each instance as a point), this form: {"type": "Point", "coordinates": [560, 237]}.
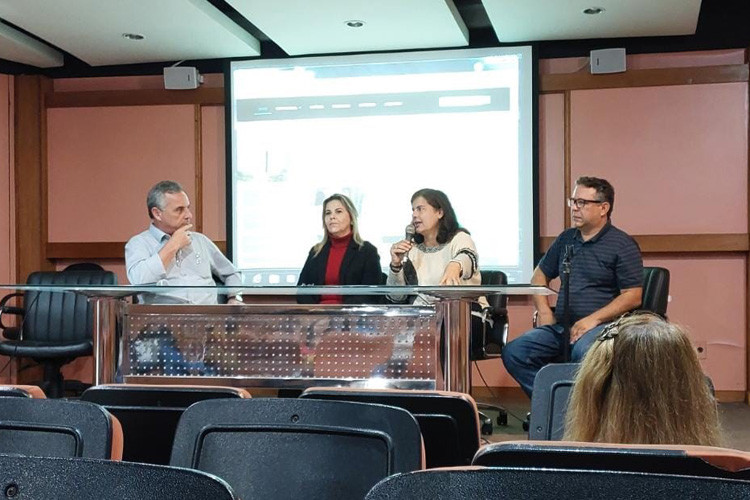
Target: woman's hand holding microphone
{"type": "Point", "coordinates": [398, 253]}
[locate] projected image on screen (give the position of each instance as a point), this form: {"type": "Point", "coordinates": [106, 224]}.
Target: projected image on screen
{"type": "Point", "coordinates": [378, 128]}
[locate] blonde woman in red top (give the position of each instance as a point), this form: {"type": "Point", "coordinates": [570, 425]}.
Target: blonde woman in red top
{"type": "Point", "coordinates": [342, 257]}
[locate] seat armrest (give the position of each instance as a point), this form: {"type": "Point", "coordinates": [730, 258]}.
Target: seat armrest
{"type": "Point", "coordinates": [6, 309]}
{"type": "Point", "coordinates": [498, 312]}
{"type": "Point", "coordinates": [11, 333]}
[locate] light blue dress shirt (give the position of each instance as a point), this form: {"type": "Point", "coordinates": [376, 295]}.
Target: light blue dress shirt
{"type": "Point", "coordinates": [195, 264]}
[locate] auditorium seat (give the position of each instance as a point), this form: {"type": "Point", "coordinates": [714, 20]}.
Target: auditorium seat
{"type": "Point", "coordinates": [449, 421]}
{"type": "Point", "coordinates": [58, 428]}
{"type": "Point", "coordinates": [149, 414]}
{"type": "Point", "coordinates": [687, 460]}
{"type": "Point", "coordinates": [549, 400]}
{"type": "Point", "coordinates": [26, 477]}
{"type": "Point", "coordinates": [553, 385]}
{"type": "Point", "coordinates": [536, 483]}
{"type": "Point", "coordinates": [297, 448]}
{"type": "Point", "coordinates": [22, 391]}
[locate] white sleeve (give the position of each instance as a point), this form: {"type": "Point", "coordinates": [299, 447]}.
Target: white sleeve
{"type": "Point", "coordinates": [464, 252]}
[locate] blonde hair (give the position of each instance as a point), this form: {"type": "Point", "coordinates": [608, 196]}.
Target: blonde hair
{"type": "Point", "coordinates": [351, 209]}
{"type": "Point", "coordinates": [641, 383]}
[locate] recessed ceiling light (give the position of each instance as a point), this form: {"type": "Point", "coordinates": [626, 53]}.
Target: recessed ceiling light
{"type": "Point", "coordinates": [592, 11]}
{"type": "Point", "coordinates": [355, 23]}
{"type": "Point", "coordinates": [133, 36]}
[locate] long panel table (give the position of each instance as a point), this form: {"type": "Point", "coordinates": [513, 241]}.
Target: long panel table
{"type": "Point", "coordinates": [281, 344]}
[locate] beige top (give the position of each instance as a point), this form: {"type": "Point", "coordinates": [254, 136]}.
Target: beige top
{"type": "Point", "coordinates": [430, 264]}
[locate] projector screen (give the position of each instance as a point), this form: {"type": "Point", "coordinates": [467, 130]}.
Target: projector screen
{"type": "Point", "coordinates": [377, 128]}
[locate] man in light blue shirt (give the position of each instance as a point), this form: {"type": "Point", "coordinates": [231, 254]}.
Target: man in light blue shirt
{"type": "Point", "coordinates": [170, 253]}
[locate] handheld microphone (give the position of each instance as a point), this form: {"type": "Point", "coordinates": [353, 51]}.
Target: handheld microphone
{"type": "Point", "coordinates": [409, 233]}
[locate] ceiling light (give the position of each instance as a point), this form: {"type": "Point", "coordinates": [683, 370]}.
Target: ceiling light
{"type": "Point", "coordinates": [593, 11]}
{"type": "Point", "coordinates": [133, 36]}
{"type": "Point", "coordinates": [354, 23]}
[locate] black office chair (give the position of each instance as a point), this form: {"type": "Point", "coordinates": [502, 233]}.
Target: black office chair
{"type": "Point", "coordinates": [56, 327]}
{"type": "Point", "coordinates": [448, 420]}
{"type": "Point", "coordinates": [655, 290]}
{"type": "Point", "coordinates": [297, 448]}
{"type": "Point", "coordinates": [655, 295]}
{"type": "Point", "coordinates": [84, 266]}
{"type": "Point", "coordinates": [90, 479]}
{"type": "Point", "coordinates": [149, 414]}
{"type": "Point", "coordinates": [489, 334]}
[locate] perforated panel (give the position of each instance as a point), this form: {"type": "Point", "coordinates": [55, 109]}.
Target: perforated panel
{"type": "Point", "coordinates": [398, 346]}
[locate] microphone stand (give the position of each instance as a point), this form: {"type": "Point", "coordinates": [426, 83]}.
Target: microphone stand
{"type": "Point", "coordinates": [566, 266]}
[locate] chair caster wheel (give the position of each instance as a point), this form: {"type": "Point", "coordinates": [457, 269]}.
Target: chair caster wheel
{"type": "Point", "coordinates": [486, 427]}
{"type": "Point", "coordinates": [526, 423]}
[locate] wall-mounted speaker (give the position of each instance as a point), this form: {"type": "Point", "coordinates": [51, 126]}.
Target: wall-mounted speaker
{"type": "Point", "coordinates": [607, 61]}
{"type": "Point", "coordinates": [182, 78]}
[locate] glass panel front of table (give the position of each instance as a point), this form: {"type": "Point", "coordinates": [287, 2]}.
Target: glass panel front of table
{"type": "Point", "coordinates": [284, 345]}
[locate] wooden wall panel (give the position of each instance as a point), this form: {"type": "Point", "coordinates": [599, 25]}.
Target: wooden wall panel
{"type": "Point", "coordinates": [103, 162]}
{"type": "Point", "coordinates": [7, 230]}
{"type": "Point", "coordinates": [677, 156]}
{"type": "Point", "coordinates": [30, 175]}
{"type": "Point", "coordinates": [551, 164]}
{"type": "Point", "coordinates": [214, 172]}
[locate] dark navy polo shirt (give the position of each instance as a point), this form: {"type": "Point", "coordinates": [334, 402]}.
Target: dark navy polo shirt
{"type": "Point", "coordinates": [599, 269]}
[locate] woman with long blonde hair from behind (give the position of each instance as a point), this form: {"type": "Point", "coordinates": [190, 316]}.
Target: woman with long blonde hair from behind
{"type": "Point", "coordinates": [641, 383]}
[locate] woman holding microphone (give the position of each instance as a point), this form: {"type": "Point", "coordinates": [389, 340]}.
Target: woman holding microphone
{"type": "Point", "coordinates": [442, 252]}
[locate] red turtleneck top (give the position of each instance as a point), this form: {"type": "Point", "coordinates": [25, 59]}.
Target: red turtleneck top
{"type": "Point", "coordinates": [333, 266]}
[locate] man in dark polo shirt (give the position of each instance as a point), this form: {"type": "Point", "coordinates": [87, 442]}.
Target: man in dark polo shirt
{"type": "Point", "coordinates": [606, 278]}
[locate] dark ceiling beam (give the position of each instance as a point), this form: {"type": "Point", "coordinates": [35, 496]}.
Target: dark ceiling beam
{"type": "Point", "coordinates": [722, 24]}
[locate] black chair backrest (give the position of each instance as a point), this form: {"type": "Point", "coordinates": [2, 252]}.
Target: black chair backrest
{"type": "Point", "coordinates": [55, 428]}
{"type": "Point", "coordinates": [655, 290]}
{"type": "Point", "coordinates": [549, 400]}
{"type": "Point", "coordinates": [688, 460]}
{"type": "Point", "coordinates": [61, 316]}
{"type": "Point", "coordinates": [448, 421]}
{"type": "Point", "coordinates": [297, 448]}
{"type": "Point", "coordinates": [541, 484]}
{"type": "Point", "coordinates": [84, 266]}
{"type": "Point", "coordinates": [492, 277]}
{"type": "Point", "coordinates": [149, 414]}
{"type": "Point", "coordinates": [488, 341]}
{"type": "Point", "coordinates": [88, 479]}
